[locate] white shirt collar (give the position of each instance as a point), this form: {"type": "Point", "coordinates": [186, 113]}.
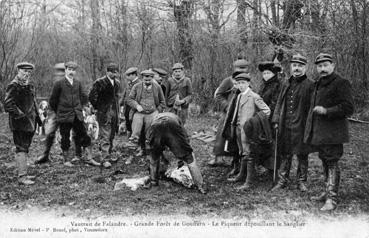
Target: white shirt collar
{"type": "Point", "coordinates": [70, 80]}
{"type": "Point", "coordinates": [111, 80]}
{"type": "Point", "coordinates": [244, 93]}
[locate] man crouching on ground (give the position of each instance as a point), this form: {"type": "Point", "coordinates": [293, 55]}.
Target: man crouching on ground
{"type": "Point", "coordinates": [167, 130]}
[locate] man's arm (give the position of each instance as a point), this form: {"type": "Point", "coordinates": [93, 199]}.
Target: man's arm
{"type": "Point", "coordinates": [54, 97]}
{"type": "Point", "coordinates": [9, 103]}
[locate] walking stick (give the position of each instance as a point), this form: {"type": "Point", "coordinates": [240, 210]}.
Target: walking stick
{"type": "Point", "coordinates": [275, 156]}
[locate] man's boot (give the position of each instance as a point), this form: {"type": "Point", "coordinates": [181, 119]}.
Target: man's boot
{"type": "Point", "coordinates": [196, 176]}
{"type": "Point", "coordinates": [66, 158]}
{"type": "Point", "coordinates": [154, 166]}
{"type": "Point", "coordinates": [235, 166]}
{"type": "Point", "coordinates": [322, 197]}
{"type": "Point", "coordinates": [44, 158]}
{"type": "Point", "coordinates": [242, 174]}
{"type": "Point", "coordinates": [216, 161]}
{"type": "Point", "coordinates": [250, 171]}
{"type": "Point", "coordinates": [89, 159]}
{"type": "Point", "coordinates": [332, 189]}
{"type": "Point", "coordinates": [21, 161]}
{"type": "Point", "coordinates": [283, 173]}
{"type": "Point", "coordinates": [302, 171]}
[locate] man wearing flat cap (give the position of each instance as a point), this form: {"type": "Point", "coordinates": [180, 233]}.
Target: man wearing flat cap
{"type": "Point", "coordinates": [132, 79]}
{"type": "Point", "coordinates": [51, 125]}
{"type": "Point", "coordinates": [146, 100]}
{"type": "Point", "coordinates": [290, 118]}
{"type": "Point", "coordinates": [67, 99]}
{"type": "Point", "coordinates": [179, 92]}
{"type": "Point", "coordinates": [104, 97]}
{"type": "Point", "coordinates": [327, 125]}
{"type": "Point", "coordinates": [20, 103]}
{"type": "Point", "coordinates": [223, 96]}
{"type": "Point", "coordinates": [247, 104]}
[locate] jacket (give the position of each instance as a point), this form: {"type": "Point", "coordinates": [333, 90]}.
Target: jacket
{"type": "Point", "coordinates": [182, 87]}
{"type": "Point", "coordinates": [269, 92]}
{"type": "Point", "coordinates": [136, 93]}
{"type": "Point", "coordinates": [20, 103]}
{"type": "Point", "coordinates": [223, 94]}
{"type": "Point", "coordinates": [302, 97]}
{"type": "Point", "coordinates": [335, 94]}
{"type": "Point", "coordinates": [68, 100]}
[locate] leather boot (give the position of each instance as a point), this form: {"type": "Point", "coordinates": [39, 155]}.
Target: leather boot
{"type": "Point", "coordinates": [196, 176]}
{"type": "Point", "coordinates": [235, 166]}
{"type": "Point", "coordinates": [322, 197]}
{"type": "Point", "coordinates": [283, 173]}
{"type": "Point", "coordinates": [250, 175]}
{"type": "Point", "coordinates": [302, 171]}
{"type": "Point", "coordinates": [216, 161]}
{"type": "Point", "coordinates": [154, 171]}
{"type": "Point", "coordinates": [21, 161]}
{"type": "Point", "coordinates": [44, 158]}
{"type": "Point", "coordinates": [66, 158]}
{"type": "Point", "coordinates": [242, 174]}
{"type": "Point", "coordinates": [333, 186]}
{"type": "Point", "coordinates": [89, 159]}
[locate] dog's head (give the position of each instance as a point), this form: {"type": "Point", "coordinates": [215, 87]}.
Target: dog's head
{"type": "Point", "coordinates": [44, 105]}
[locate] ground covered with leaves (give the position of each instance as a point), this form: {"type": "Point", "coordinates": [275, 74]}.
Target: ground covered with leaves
{"type": "Point", "coordinates": [78, 190]}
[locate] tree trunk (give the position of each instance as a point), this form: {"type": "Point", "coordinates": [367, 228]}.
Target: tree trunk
{"type": "Point", "coordinates": [95, 15]}
{"type": "Point", "coordinates": [241, 25]}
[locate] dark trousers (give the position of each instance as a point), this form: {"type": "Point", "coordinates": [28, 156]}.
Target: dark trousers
{"type": "Point", "coordinates": [22, 140]}
{"type": "Point", "coordinates": [126, 116]}
{"type": "Point", "coordinates": [80, 135]}
{"type": "Point", "coordinates": [285, 167]}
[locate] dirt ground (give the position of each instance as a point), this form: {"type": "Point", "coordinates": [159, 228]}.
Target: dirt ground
{"type": "Point", "coordinates": [75, 190]}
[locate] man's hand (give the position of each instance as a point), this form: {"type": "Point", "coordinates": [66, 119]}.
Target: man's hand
{"type": "Point", "coordinates": [139, 108]}
{"type": "Point", "coordinates": [275, 125]}
{"type": "Point", "coordinates": [320, 110]}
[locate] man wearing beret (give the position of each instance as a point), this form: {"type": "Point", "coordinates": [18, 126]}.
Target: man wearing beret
{"type": "Point", "coordinates": [51, 125]}
{"type": "Point", "coordinates": [20, 103]}
{"type": "Point", "coordinates": [246, 106]}
{"type": "Point", "coordinates": [327, 125]}
{"type": "Point", "coordinates": [269, 92]}
{"type": "Point", "coordinates": [146, 100]}
{"type": "Point", "coordinates": [289, 117]}
{"type": "Point", "coordinates": [67, 99]}
{"type": "Point", "coordinates": [104, 97]}
{"type": "Point", "coordinates": [179, 92]}
{"type": "Point", "coordinates": [132, 79]}
{"type": "Point", "coordinates": [223, 96]}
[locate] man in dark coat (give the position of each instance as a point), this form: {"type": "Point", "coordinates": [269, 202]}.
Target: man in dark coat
{"type": "Point", "coordinates": [166, 130]}
{"type": "Point", "coordinates": [223, 96]}
{"type": "Point", "coordinates": [104, 97]}
{"type": "Point", "coordinates": [327, 125]}
{"type": "Point", "coordinates": [160, 78]}
{"type": "Point", "coordinates": [52, 126]}
{"type": "Point", "coordinates": [67, 99]}
{"type": "Point", "coordinates": [179, 92]}
{"type": "Point", "coordinates": [290, 117]}
{"type": "Point", "coordinates": [269, 91]}
{"type": "Point", "coordinates": [20, 103]}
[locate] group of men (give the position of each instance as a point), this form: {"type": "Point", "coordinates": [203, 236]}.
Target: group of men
{"type": "Point", "coordinates": [143, 101]}
{"type": "Point", "coordinates": [306, 116]}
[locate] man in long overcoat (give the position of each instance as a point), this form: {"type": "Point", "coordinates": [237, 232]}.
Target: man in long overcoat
{"type": "Point", "coordinates": [327, 125]}
{"type": "Point", "coordinates": [104, 97]}
{"type": "Point", "coordinates": [290, 117]}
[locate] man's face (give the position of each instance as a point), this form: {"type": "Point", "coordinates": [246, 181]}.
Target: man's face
{"type": "Point", "coordinates": [267, 74]}
{"type": "Point", "coordinates": [242, 85]}
{"type": "Point", "coordinates": [325, 68]}
{"type": "Point", "coordinates": [24, 74]}
{"type": "Point", "coordinates": [178, 73]}
{"type": "Point", "coordinates": [70, 72]}
{"type": "Point", "coordinates": [147, 79]}
{"type": "Point", "coordinates": [243, 69]}
{"type": "Point", "coordinates": [298, 69]}
{"type": "Point", "coordinates": [131, 77]}
{"type": "Point", "coordinates": [113, 74]}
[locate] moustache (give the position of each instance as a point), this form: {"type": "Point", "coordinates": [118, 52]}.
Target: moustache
{"type": "Point", "coordinates": [323, 72]}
